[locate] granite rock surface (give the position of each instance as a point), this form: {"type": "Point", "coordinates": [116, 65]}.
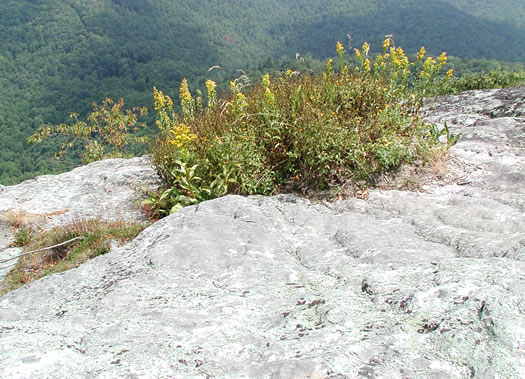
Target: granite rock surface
{"type": "Point", "coordinates": [109, 190]}
{"type": "Point", "coordinates": [401, 285]}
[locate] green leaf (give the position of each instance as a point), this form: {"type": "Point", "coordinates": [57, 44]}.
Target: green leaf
{"type": "Point", "coordinates": [177, 207]}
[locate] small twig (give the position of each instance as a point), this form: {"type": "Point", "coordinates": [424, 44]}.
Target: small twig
{"type": "Point", "coordinates": [42, 249]}
{"type": "Point", "coordinates": [9, 265]}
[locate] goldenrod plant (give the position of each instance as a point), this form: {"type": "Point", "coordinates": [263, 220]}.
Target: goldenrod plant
{"type": "Point", "coordinates": [317, 132]}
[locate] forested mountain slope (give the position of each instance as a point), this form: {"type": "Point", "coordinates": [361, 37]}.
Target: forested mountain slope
{"type": "Point", "coordinates": [58, 56]}
{"type": "Point", "coordinates": [438, 25]}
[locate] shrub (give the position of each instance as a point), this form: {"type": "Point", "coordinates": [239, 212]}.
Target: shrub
{"type": "Point", "coordinates": [314, 132]}
{"type": "Point", "coordinates": [492, 79]}
{"type": "Point", "coordinates": [106, 134]}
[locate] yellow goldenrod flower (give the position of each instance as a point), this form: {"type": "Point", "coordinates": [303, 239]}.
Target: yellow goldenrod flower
{"type": "Point", "coordinates": [442, 58]}
{"type": "Point", "coordinates": [266, 81]}
{"type": "Point", "coordinates": [401, 53]}
{"type": "Point", "coordinates": [241, 100]}
{"type": "Point", "coordinates": [212, 94]}
{"type": "Point", "coordinates": [365, 48]}
{"type": "Point", "coordinates": [233, 87]}
{"type": "Point", "coordinates": [421, 53]}
{"type": "Point", "coordinates": [198, 99]}
{"type": "Point", "coordinates": [184, 91]}
{"type": "Point", "coordinates": [328, 73]}
{"type": "Point", "coordinates": [268, 95]}
{"type": "Point", "coordinates": [161, 101]}
{"type": "Point", "coordinates": [186, 100]}
{"type": "Point", "coordinates": [386, 44]}
{"type": "Point", "coordinates": [366, 65]}
{"type": "Point", "coordinates": [429, 63]}
{"type": "Point", "coordinates": [210, 85]}
{"type": "Point", "coordinates": [182, 135]}
{"type": "Point", "coordinates": [340, 49]}
{"type": "Point", "coordinates": [379, 64]}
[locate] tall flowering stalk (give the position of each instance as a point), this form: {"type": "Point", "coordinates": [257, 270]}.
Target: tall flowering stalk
{"type": "Point", "coordinates": [268, 95]}
{"type": "Point", "coordinates": [187, 102]}
{"type": "Point", "coordinates": [212, 94]}
{"type": "Point", "coordinates": [341, 52]}
{"type": "Point", "coordinates": [362, 56]}
{"type": "Point", "coordinates": [164, 107]}
{"type": "Point", "coordinates": [239, 102]}
{"type": "Point", "coordinates": [198, 100]}
{"type": "Point", "coordinates": [178, 134]}
{"type": "Point", "coordinates": [428, 76]}
{"type": "Point", "coordinates": [420, 78]}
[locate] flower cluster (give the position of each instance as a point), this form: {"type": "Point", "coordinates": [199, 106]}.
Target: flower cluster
{"type": "Point", "coordinates": [182, 135]}
{"type": "Point", "coordinates": [421, 53]}
{"type": "Point", "coordinates": [186, 100]}
{"type": "Point", "coordinates": [340, 49]}
{"type": "Point", "coordinates": [362, 56]}
{"type": "Point", "coordinates": [212, 94]}
{"type": "Point", "coordinates": [164, 107]}
{"type": "Point", "coordinates": [386, 44]}
{"type": "Point", "coordinates": [268, 95]}
{"type": "Point", "coordinates": [160, 101]}
{"type": "Point", "coordinates": [198, 100]}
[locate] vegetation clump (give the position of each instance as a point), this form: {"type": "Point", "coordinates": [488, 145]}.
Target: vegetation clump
{"type": "Point", "coordinates": [23, 236]}
{"type": "Point", "coordinates": [308, 132]}
{"type": "Point", "coordinates": [482, 80]}
{"type": "Point", "coordinates": [95, 238]}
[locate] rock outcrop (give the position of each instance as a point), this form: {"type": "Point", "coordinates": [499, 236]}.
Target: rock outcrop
{"type": "Point", "coordinates": [109, 190]}
{"type": "Point", "coordinates": [402, 285]}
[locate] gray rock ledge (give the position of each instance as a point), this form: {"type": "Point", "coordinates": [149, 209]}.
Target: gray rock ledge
{"type": "Point", "coordinates": [109, 189]}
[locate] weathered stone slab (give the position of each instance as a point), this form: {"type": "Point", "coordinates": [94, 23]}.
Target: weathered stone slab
{"type": "Point", "coordinates": [108, 189]}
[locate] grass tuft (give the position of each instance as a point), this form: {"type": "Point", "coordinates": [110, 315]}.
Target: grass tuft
{"type": "Point", "coordinates": [97, 239]}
